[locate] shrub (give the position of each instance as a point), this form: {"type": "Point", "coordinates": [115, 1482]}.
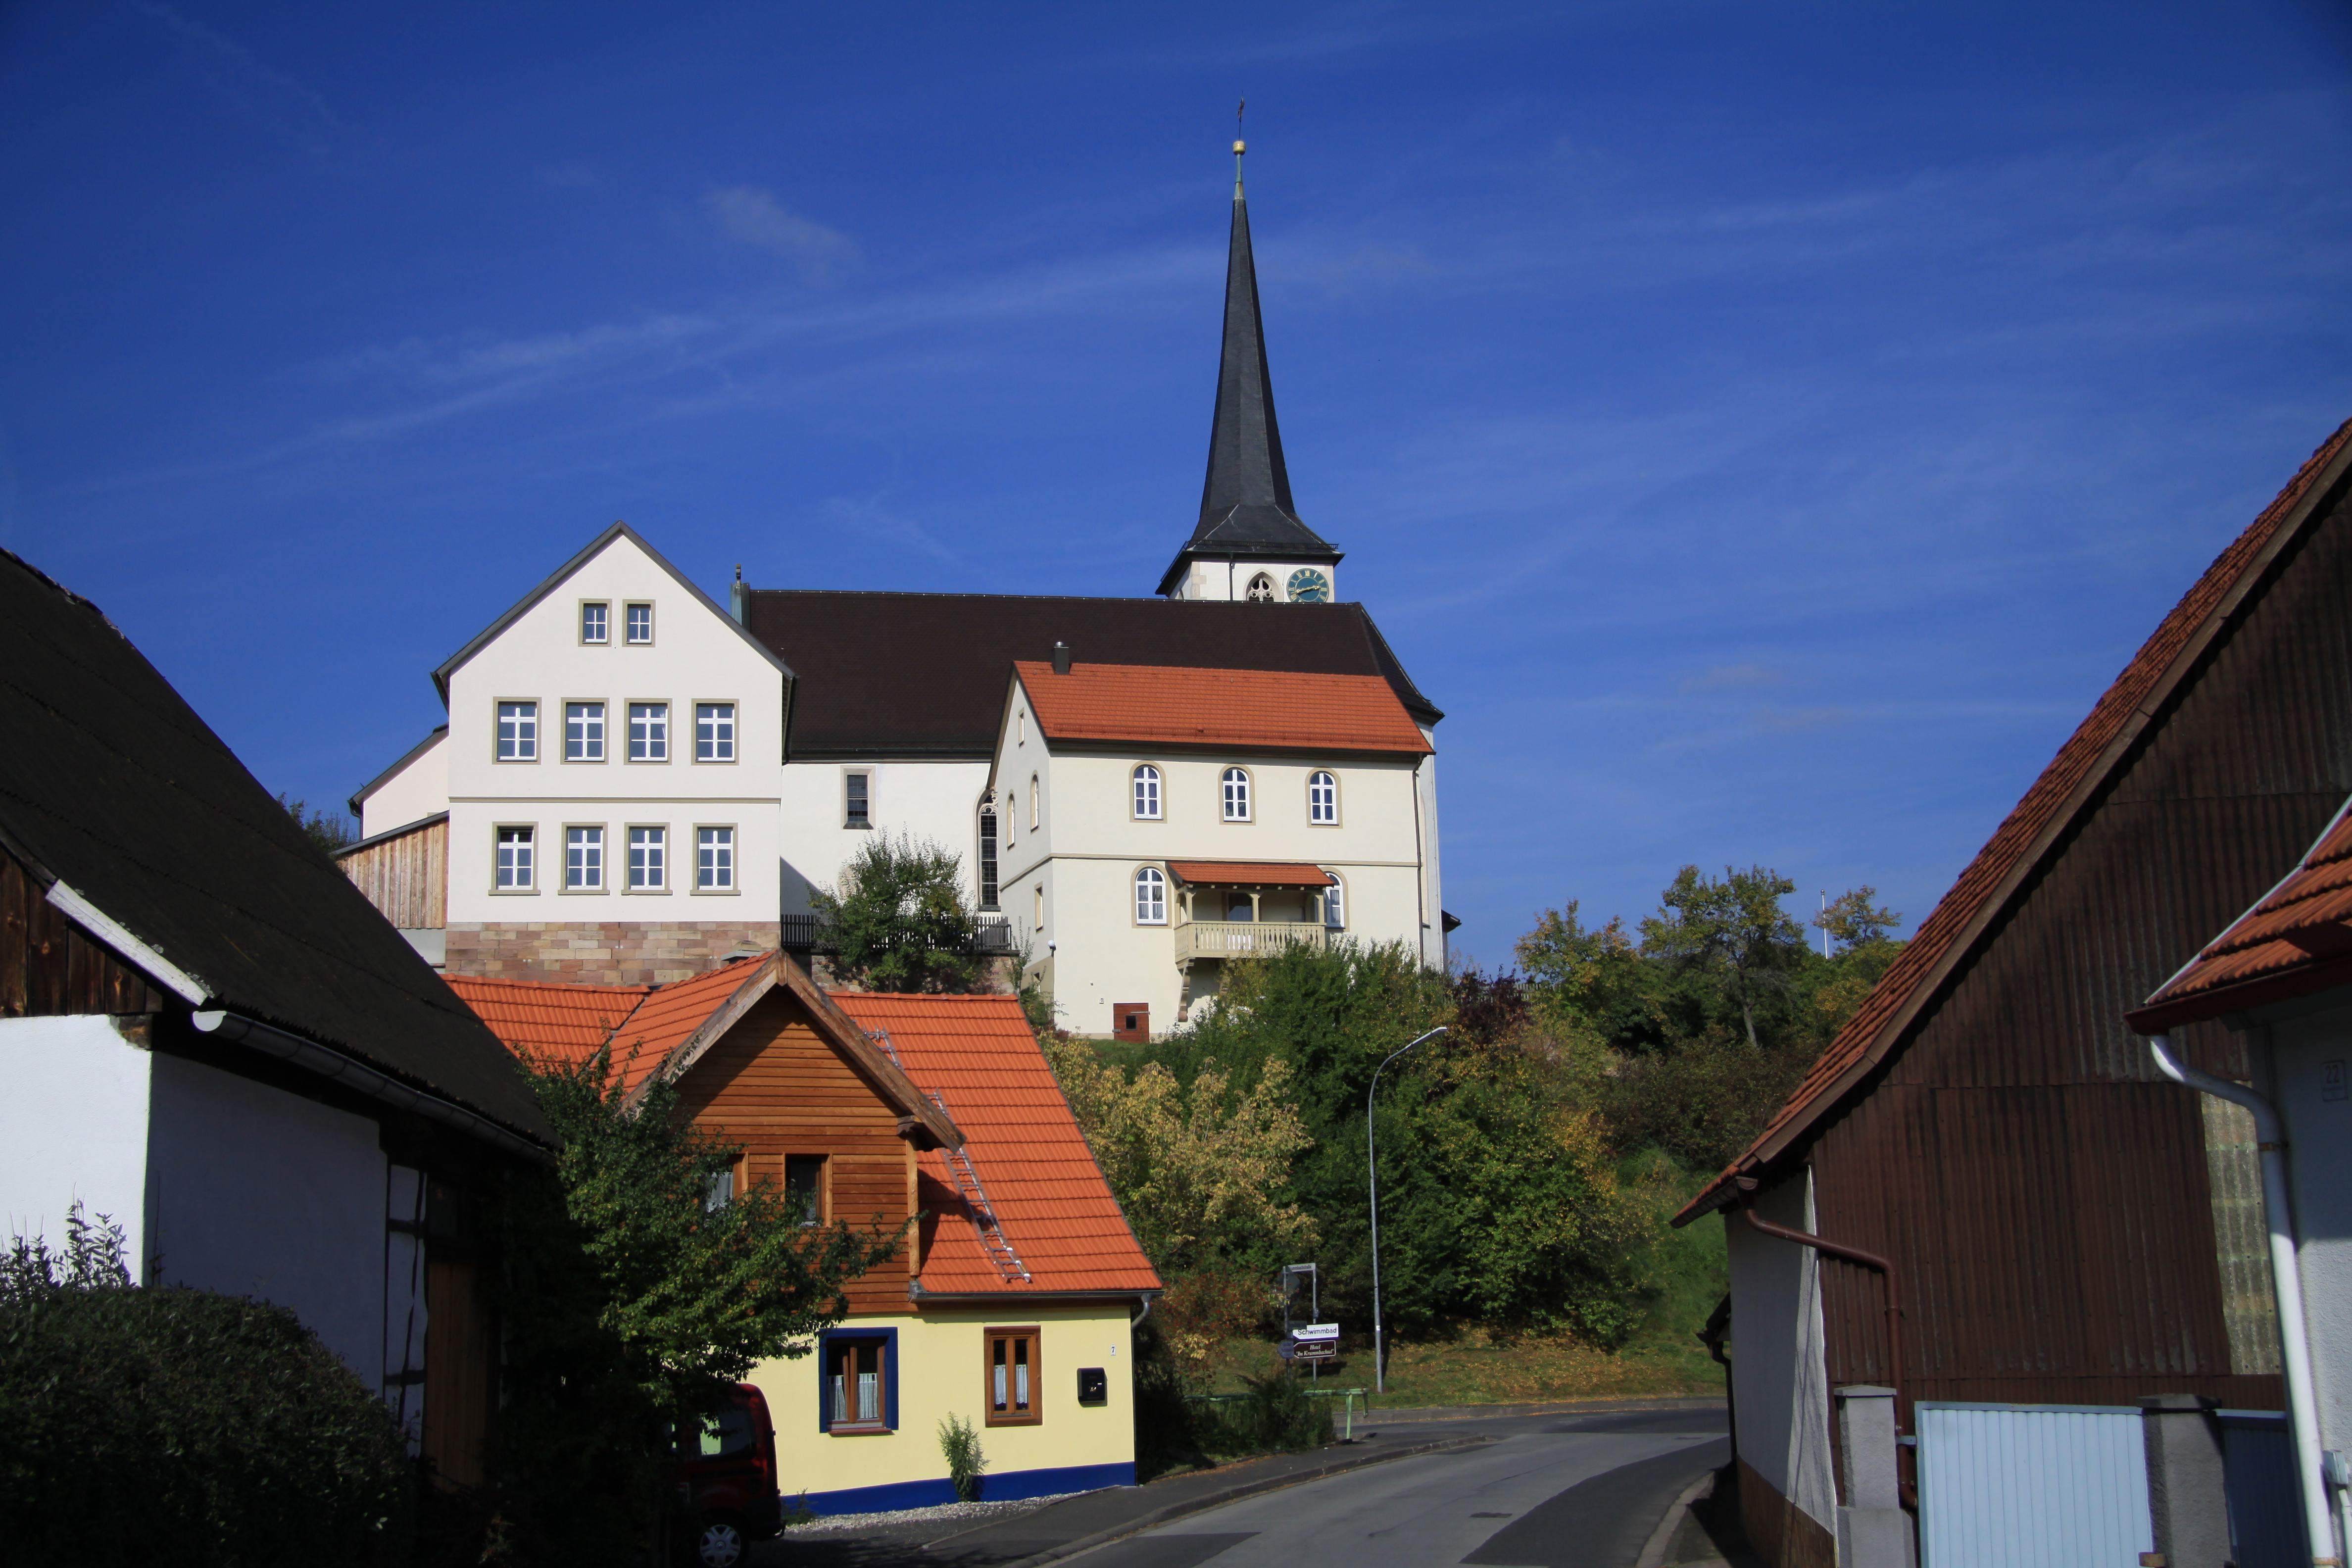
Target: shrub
{"type": "Point", "coordinates": [960, 1444]}
{"type": "Point", "coordinates": [240, 1438]}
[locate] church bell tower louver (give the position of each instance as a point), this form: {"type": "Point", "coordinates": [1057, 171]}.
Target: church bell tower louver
{"type": "Point", "coordinates": [1249, 542]}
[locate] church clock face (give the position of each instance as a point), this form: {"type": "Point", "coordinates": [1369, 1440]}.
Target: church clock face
{"type": "Point", "coordinates": [1308, 586]}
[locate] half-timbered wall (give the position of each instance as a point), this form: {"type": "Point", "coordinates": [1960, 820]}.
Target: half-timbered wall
{"type": "Point", "coordinates": [773, 1085]}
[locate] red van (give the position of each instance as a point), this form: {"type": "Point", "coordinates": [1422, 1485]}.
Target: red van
{"type": "Point", "coordinates": [726, 1474]}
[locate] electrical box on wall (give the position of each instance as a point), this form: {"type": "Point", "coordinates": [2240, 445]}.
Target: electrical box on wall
{"type": "Point", "coordinates": [1094, 1388]}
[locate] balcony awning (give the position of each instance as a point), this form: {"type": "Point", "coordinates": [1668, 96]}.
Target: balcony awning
{"type": "Point", "coordinates": [1248, 874]}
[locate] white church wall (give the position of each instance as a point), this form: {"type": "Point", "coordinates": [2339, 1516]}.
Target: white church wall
{"type": "Point", "coordinates": [73, 1129]}
{"type": "Point", "coordinates": [939, 801]}
{"type": "Point", "coordinates": [419, 790]}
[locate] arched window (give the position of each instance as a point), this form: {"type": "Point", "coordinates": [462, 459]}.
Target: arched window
{"type": "Point", "coordinates": [1147, 794]}
{"type": "Point", "coordinates": [1150, 896]}
{"type": "Point", "coordinates": [1261, 589]}
{"type": "Point", "coordinates": [1322, 799]}
{"type": "Point", "coordinates": [1335, 905]}
{"type": "Point", "coordinates": [1033, 803]}
{"type": "Point", "coordinates": [1236, 794]}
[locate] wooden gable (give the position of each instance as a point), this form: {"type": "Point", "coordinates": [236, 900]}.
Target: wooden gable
{"type": "Point", "coordinates": [776, 1084]}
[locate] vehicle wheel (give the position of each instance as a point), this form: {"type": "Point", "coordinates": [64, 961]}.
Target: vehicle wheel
{"type": "Point", "coordinates": [719, 1541]}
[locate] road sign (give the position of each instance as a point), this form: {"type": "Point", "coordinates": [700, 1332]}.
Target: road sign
{"type": "Point", "coordinates": [1312, 1341]}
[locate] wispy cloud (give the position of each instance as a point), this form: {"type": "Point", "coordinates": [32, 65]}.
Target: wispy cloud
{"type": "Point", "coordinates": [752, 214]}
{"type": "Point", "coordinates": [278, 102]}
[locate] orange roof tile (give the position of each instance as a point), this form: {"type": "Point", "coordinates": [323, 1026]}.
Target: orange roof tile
{"type": "Point", "coordinates": [1250, 874]}
{"type": "Point", "coordinates": [536, 1019]}
{"type": "Point", "coordinates": [1258, 708]}
{"type": "Point", "coordinates": [2066, 790]}
{"type": "Point", "coordinates": [978, 1056]}
{"type": "Point", "coordinates": [2295, 941]}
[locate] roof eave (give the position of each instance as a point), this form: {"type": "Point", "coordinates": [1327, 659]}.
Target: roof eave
{"type": "Point", "coordinates": [407, 757]}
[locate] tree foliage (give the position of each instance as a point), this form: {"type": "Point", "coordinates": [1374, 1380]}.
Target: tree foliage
{"type": "Point", "coordinates": [899, 918]}
{"type": "Point", "coordinates": [634, 1295]}
{"type": "Point", "coordinates": [1734, 932]}
{"type": "Point", "coordinates": [329, 833]}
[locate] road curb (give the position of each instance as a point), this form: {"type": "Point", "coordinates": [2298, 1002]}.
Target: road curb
{"type": "Point", "coordinates": [1239, 1490]}
{"type": "Point", "coordinates": [1653, 1551]}
{"type": "Point", "coordinates": [1406, 1416]}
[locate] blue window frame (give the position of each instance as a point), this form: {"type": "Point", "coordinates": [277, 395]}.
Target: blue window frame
{"type": "Point", "coordinates": [830, 1346]}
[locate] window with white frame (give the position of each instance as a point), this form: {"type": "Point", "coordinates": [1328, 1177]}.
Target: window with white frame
{"type": "Point", "coordinates": [648, 732]}
{"type": "Point", "coordinates": [714, 731]}
{"type": "Point", "coordinates": [1335, 904]}
{"type": "Point", "coordinates": [1322, 799]}
{"type": "Point", "coordinates": [518, 732]}
{"type": "Point", "coordinates": [1037, 906]}
{"type": "Point", "coordinates": [583, 859]}
{"type": "Point", "coordinates": [1235, 785]}
{"type": "Point", "coordinates": [517, 859]}
{"type": "Point", "coordinates": [583, 731]}
{"type": "Point", "coordinates": [639, 621]}
{"type": "Point", "coordinates": [1033, 803]}
{"type": "Point", "coordinates": [648, 859]}
{"type": "Point", "coordinates": [987, 854]}
{"type": "Point", "coordinates": [1150, 896]}
{"type": "Point", "coordinates": [1147, 794]}
{"type": "Point", "coordinates": [856, 799]}
{"type": "Point", "coordinates": [594, 623]}
{"type": "Point", "coordinates": [714, 859]}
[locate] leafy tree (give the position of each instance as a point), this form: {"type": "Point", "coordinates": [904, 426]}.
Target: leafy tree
{"type": "Point", "coordinates": [1853, 921]}
{"type": "Point", "coordinates": [1865, 949]}
{"type": "Point", "coordinates": [1197, 1167]}
{"type": "Point", "coordinates": [899, 918]}
{"type": "Point", "coordinates": [1594, 977]}
{"type": "Point", "coordinates": [1734, 932]}
{"type": "Point", "coordinates": [329, 833]}
{"type": "Point", "coordinates": [635, 1290]}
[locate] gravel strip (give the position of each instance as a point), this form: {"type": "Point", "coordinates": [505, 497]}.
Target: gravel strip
{"type": "Point", "coordinates": [956, 1513]}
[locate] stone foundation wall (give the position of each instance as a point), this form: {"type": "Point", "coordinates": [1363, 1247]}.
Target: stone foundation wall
{"type": "Point", "coordinates": [609, 953]}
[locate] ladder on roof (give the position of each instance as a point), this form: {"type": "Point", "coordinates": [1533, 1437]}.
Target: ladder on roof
{"type": "Point", "coordinates": [992, 1239]}
{"type": "Point", "coordinates": [882, 1038]}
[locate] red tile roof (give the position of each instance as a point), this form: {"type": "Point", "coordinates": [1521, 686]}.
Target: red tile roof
{"type": "Point", "coordinates": [1258, 708]}
{"type": "Point", "coordinates": [2295, 941]}
{"type": "Point", "coordinates": [534, 1018]}
{"type": "Point", "coordinates": [1249, 874]}
{"type": "Point", "coordinates": [2064, 792]}
{"type": "Point", "coordinates": [978, 1054]}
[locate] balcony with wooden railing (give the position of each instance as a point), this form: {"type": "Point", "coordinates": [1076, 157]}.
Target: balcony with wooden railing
{"type": "Point", "coordinates": [1246, 938]}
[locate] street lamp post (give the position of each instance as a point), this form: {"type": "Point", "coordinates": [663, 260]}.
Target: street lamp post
{"type": "Point", "coordinates": [1372, 1169]}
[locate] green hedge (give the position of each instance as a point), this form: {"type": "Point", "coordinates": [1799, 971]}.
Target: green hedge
{"type": "Point", "coordinates": [179, 1427]}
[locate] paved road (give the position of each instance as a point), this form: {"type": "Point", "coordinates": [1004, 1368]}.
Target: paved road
{"type": "Point", "coordinates": [1553, 1493]}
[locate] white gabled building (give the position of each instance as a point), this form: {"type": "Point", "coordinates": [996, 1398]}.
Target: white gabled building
{"type": "Point", "coordinates": [593, 833]}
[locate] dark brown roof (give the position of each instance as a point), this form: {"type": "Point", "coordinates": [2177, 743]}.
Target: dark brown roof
{"type": "Point", "coordinates": [2297, 941]}
{"type": "Point", "coordinates": [110, 783]}
{"type": "Point", "coordinates": [923, 674]}
{"type": "Point", "coordinates": [2034, 832]}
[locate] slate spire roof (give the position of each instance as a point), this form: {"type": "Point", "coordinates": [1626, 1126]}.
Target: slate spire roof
{"type": "Point", "coordinates": [1245, 505]}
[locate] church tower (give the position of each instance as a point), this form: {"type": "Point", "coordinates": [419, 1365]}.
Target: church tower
{"type": "Point", "coordinates": [1249, 543]}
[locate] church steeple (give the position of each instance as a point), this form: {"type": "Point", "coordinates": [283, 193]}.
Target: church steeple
{"type": "Point", "coordinates": [1248, 524]}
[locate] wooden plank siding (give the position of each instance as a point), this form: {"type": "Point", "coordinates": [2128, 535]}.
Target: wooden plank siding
{"type": "Point", "coordinates": [775, 1086]}
{"type": "Point", "coordinates": [50, 967]}
{"type": "Point", "coordinates": [407, 877]}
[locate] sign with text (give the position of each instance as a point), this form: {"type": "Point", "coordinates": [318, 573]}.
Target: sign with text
{"type": "Point", "coordinates": [1313, 1341]}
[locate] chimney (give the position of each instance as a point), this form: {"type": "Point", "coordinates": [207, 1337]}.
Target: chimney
{"type": "Point", "coordinates": [1061, 658]}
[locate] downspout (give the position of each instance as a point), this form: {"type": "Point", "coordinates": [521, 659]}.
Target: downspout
{"type": "Point", "coordinates": [1137, 1322]}
{"type": "Point", "coordinates": [1886, 1266]}
{"type": "Point", "coordinates": [2286, 1282]}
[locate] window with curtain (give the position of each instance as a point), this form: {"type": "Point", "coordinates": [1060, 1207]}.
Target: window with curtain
{"type": "Point", "coordinates": [1013, 1377]}
{"type": "Point", "coordinates": [854, 1395]}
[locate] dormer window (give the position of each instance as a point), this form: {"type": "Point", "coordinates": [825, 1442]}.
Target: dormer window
{"type": "Point", "coordinates": [1261, 589]}
{"type": "Point", "coordinates": [639, 620]}
{"type": "Point", "coordinates": [592, 622]}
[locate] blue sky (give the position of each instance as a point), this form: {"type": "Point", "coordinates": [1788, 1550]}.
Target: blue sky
{"type": "Point", "coordinates": [1765, 429]}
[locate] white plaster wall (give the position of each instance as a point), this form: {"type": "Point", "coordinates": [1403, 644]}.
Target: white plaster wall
{"type": "Point", "coordinates": [255, 1192]}
{"type": "Point", "coordinates": [2319, 1167]}
{"type": "Point", "coordinates": [1434, 943]}
{"type": "Point", "coordinates": [1224, 580]}
{"type": "Point", "coordinates": [935, 800]}
{"type": "Point", "coordinates": [1780, 1369]}
{"type": "Point", "coordinates": [698, 654]}
{"type": "Point", "coordinates": [416, 791]}
{"type": "Point", "coordinates": [73, 1127]}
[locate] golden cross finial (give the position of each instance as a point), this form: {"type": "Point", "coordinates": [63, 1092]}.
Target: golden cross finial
{"type": "Point", "coordinates": [1238, 108]}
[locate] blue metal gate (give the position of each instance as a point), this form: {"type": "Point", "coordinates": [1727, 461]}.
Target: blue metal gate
{"type": "Point", "coordinates": [2008, 1486]}
{"type": "Point", "coordinates": [2265, 1505]}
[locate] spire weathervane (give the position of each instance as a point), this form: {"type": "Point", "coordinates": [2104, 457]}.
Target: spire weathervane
{"type": "Point", "coordinates": [1239, 147]}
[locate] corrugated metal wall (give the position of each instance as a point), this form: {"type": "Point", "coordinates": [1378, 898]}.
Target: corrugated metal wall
{"type": "Point", "coordinates": [407, 877]}
{"type": "Point", "coordinates": [2031, 1488]}
{"type": "Point", "coordinates": [2045, 1195]}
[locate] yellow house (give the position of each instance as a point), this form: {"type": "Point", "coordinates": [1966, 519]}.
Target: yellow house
{"type": "Point", "coordinates": [1011, 1303]}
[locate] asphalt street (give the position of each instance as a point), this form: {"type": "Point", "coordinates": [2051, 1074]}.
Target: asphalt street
{"type": "Point", "coordinates": [1551, 1492]}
